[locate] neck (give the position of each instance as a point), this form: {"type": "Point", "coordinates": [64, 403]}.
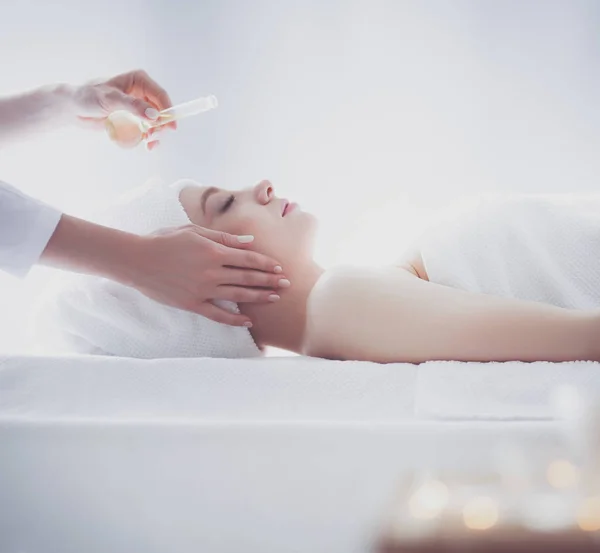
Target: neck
{"type": "Point", "coordinates": [282, 324]}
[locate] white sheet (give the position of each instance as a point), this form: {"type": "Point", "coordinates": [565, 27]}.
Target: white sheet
{"type": "Point", "coordinates": [500, 391]}
{"type": "Point", "coordinates": [275, 389]}
{"type": "Point", "coordinates": [282, 389]}
{"type": "Point", "coordinates": [225, 487]}
{"type": "Point", "coordinates": [274, 455]}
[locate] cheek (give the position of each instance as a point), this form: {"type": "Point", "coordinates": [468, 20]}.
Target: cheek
{"type": "Point", "coordinates": [242, 223]}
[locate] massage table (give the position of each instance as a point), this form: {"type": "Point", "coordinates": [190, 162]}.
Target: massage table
{"type": "Point", "coordinates": [274, 455]}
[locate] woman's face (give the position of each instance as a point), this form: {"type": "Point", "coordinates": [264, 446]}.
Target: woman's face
{"type": "Point", "coordinates": [280, 228]}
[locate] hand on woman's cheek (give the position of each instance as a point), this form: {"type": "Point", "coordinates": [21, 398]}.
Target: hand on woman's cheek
{"type": "Point", "coordinates": [266, 240]}
{"type": "Point", "coordinates": [240, 225]}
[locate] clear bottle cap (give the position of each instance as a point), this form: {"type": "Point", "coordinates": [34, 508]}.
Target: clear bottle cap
{"type": "Point", "coordinates": [188, 109]}
{"type": "Point", "coordinates": [128, 130]}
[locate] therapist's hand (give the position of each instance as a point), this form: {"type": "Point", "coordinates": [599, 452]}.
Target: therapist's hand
{"type": "Point", "coordinates": [134, 91]}
{"type": "Point", "coordinates": [184, 267]}
{"type": "Point", "coordinates": [187, 267]}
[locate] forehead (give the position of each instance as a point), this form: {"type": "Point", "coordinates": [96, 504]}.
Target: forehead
{"type": "Point", "coordinates": [192, 192]}
{"type": "Point", "coordinates": [189, 198]}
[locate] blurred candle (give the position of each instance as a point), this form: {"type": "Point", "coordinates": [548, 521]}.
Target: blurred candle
{"type": "Point", "coordinates": [480, 513]}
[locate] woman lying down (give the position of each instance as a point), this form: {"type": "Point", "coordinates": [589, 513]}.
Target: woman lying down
{"type": "Point", "coordinates": [515, 279]}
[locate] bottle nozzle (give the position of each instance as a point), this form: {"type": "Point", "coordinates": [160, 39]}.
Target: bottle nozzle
{"type": "Point", "coordinates": [182, 111]}
{"type": "Point", "coordinates": [128, 130]}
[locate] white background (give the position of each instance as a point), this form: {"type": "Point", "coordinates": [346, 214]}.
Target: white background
{"type": "Point", "coordinates": [372, 114]}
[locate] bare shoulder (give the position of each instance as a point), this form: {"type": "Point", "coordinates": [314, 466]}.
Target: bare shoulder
{"type": "Point", "coordinates": [344, 302]}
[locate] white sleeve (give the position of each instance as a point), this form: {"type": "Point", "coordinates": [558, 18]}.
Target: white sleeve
{"type": "Point", "coordinates": [26, 225]}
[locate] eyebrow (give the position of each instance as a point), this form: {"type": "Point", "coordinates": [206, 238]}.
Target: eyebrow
{"type": "Point", "coordinates": [205, 195]}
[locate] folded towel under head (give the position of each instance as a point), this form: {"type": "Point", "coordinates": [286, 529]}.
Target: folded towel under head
{"type": "Point", "coordinates": [87, 314]}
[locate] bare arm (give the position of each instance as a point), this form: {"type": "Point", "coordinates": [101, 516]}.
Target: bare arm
{"type": "Point", "coordinates": [48, 107]}
{"type": "Point", "coordinates": [26, 114]}
{"type": "Point", "coordinates": [176, 267]}
{"type": "Point", "coordinates": [182, 267]}
{"type": "Point", "coordinates": [390, 315]}
{"type": "Point", "coordinates": [84, 247]}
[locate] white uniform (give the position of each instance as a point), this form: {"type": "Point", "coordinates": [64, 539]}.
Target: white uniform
{"type": "Point", "coordinates": [26, 225]}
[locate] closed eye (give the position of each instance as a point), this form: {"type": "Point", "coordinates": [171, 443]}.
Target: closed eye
{"type": "Point", "coordinates": [227, 204]}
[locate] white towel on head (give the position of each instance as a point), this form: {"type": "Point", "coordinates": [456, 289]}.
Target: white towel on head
{"type": "Point", "coordinates": [94, 315]}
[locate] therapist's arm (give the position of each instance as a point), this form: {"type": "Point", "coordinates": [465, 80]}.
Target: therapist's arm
{"type": "Point", "coordinates": [26, 114]}
{"type": "Point", "coordinates": [49, 107]}
{"type": "Point", "coordinates": [182, 267]}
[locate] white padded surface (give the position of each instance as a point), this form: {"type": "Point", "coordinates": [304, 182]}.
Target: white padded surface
{"type": "Point", "coordinates": [281, 389]}
{"type": "Point", "coordinates": [264, 488]}
{"type": "Point", "coordinates": [274, 389]}
{"type": "Point", "coordinates": [276, 455]}
{"type": "Point", "coordinates": [500, 391]}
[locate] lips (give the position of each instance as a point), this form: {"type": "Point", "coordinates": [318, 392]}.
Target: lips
{"type": "Point", "coordinates": [284, 210]}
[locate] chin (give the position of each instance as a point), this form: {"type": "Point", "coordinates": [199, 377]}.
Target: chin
{"type": "Point", "coordinates": [307, 225]}
{"type": "Point", "coordinates": [297, 235]}
{"type": "Point", "coordinates": [309, 222]}
{"type": "Point", "coordinates": [310, 226]}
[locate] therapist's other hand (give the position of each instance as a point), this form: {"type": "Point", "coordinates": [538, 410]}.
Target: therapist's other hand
{"type": "Point", "coordinates": [189, 266]}
{"type": "Point", "coordinates": [134, 91]}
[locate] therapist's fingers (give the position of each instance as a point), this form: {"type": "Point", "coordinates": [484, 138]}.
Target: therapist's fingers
{"type": "Point", "coordinates": [220, 315]}
{"type": "Point", "coordinates": [151, 145]}
{"type": "Point", "coordinates": [246, 295]}
{"type": "Point", "coordinates": [133, 91]}
{"type": "Point", "coordinates": [95, 101]}
{"type": "Point", "coordinates": [154, 136]}
{"type": "Point", "coordinates": [154, 133]}
{"type": "Point", "coordinates": [234, 252]}
{"type": "Point", "coordinates": [250, 260]}
{"type": "Point", "coordinates": [223, 238]}
{"type": "Point", "coordinates": [115, 100]}
{"type": "Point", "coordinates": [250, 278]}
{"type": "Point", "coordinates": [92, 122]}
{"type": "Point", "coordinates": [140, 85]}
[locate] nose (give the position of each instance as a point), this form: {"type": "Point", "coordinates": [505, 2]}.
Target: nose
{"type": "Point", "coordinates": [264, 192]}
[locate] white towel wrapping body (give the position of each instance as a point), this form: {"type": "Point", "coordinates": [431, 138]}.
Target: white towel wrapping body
{"type": "Point", "coordinates": [543, 248]}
